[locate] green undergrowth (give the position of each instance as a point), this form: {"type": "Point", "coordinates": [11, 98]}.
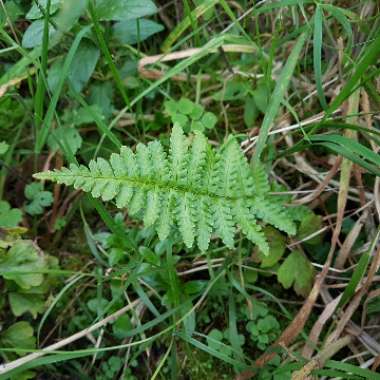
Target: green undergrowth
{"type": "Point", "coordinates": [185, 191]}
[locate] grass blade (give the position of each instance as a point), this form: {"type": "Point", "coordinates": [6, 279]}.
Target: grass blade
{"type": "Point", "coordinates": [42, 135]}
{"type": "Point", "coordinates": [107, 54]}
{"type": "Point", "coordinates": [278, 94]}
{"type": "Point", "coordinates": [186, 23]}
{"type": "Point", "coordinates": [317, 54]}
{"type": "Point", "coordinates": [369, 57]}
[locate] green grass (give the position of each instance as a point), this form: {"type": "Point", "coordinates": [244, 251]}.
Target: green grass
{"type": "Point", "coordinates": [71, 91]}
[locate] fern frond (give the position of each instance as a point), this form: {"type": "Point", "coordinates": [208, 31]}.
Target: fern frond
{"type": "Point", "coordinates": [260, 178]}
{"type": "Point", "coordinates": [248, 225]}
{"type": "Point", "coordinates": [273, 213]}
{"type": "Point", "coordinates": [197, 189]}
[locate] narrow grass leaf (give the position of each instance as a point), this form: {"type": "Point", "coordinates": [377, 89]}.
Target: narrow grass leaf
{"type": "Point", "coordinates": [44, 132]}
{"type": "Point", "coordinates": [317, 54]}
{"type": "Point", "coordinates": [353, 369]}
{"type": "Point", "coordinates": [278, 94]}
{"type": "Point", "coordinates": [369, 57]}
{"type": "Point", "coordinates": [186, 23]}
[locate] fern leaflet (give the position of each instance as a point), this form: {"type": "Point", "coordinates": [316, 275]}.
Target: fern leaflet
{"type": "Point", "coordinates": [196, 188]}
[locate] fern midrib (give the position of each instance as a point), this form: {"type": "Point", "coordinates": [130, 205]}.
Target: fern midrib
{"type": "Point", "coordinates": [137, 182]}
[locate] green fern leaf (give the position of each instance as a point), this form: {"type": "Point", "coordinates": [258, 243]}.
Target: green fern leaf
{"type": "Point", "coordinates": [249, 227]}
{"type": "Point", "coordinates": [260, 179]}
{"type": "Point", "coordinates": [186, 218]}
{"type": "Point", "coordinates": [273, 213]}
{"type": "Point", "coordinates": [204, 222]}
{"type": "Point", "coordinates": [178, 153]}
{"type": "Point", "coordinates": [165, 221]}
{"type": "Point", "coordinates": [198, 189]}
{"type": "Point", "coordinates": [223, 221]}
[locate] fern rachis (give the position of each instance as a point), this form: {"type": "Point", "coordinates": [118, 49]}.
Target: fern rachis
{"type": "Point", "coordinates": [196, 188]}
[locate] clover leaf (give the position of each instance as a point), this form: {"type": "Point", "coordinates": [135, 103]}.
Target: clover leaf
{"type": "Point", "coordinates": [9, 217]}
{"type": "Point", "coordinates": [190, 116]}
{"type": "Point", "coordinates": [39, 199]}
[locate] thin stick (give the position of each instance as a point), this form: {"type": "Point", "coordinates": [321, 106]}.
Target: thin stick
{"type": "Point", "coordinates": [4, 368]}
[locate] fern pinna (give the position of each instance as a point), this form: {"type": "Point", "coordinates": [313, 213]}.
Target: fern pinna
{"type": "Point", "coordinates": [200, 190]}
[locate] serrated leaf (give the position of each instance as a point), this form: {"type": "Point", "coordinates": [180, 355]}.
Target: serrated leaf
{"type": "Point", "coordinates": [195, 188]}
{"type": "Point", "coordinates": [204, 223]}
{"type": "Point", "coordinates": [186, 219]}
{"type": "Point", "coordinates": [152, 210]}
{"type": "Point", "coordinates": [298, 272]}
{"type": "Point", "coordinates": [224, 224]}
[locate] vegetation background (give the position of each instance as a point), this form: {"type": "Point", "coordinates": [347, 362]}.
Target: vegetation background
{"type": "Point", "coordinates": [286, 93]}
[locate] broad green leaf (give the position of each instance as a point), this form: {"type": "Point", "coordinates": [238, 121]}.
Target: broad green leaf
{"type": "Point", "coordinates": [54, 74]}
{"type": "Point", "coordinates": [11, 10]}
{"type": "Point", "coordinates": [261, 97]}
{"type": "Point", "coordinates": [298, 272]}
{"type": "Point", "coordinates": [185, 106]}
{"type": "Point", "coordinates": [310, 223]}
{"type": "Point", "coordinates": [35, 13]}
{"type": "Point", "coordinates": [3, 147]}
{"type": "Point", "coordinates": [209, 120]}
{"type": "Point", "coordinates": [65, 136]}
{"type": "Point", "coordinates": [134, 31]}
{"type": "Point", "coordinates": [84, 115]}
{"type": "Point", "coordinates": [23, 302]}
{"type": "Point", "coordinates": [250, 111]}
{"type": "Point", "coordinates": [83, 64]}
{"type": "Point", "coordinates": [34, 34]}
{"type": "Point", "coordinates": [19, 335]}
{"type": "Point", "coordinates": [214, 338]}
{"type": "Point", "coordinates": [9, 217]}
{"type": "Point", "coordinates": [122, 326]}
{"type": "Point", "coordinates": [101, 95]}
{"type": "Point", "coordinates": [69, 13]}
{"type": "Point", "coordinates": [22, 263]}
{"type": "Point", "coordinates": [121, 10]}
